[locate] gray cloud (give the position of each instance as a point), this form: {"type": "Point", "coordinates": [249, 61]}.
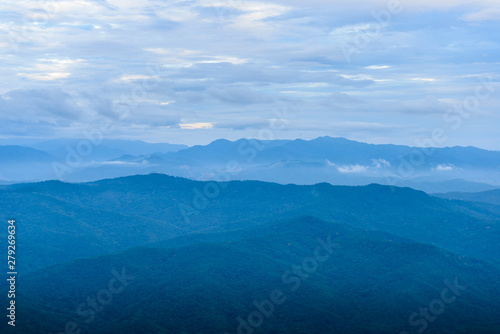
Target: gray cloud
{"type": "Point", "coordinates": [51, 105]}
{"type": "Point", "coordinates": [243, 124]}
{"type": "Point", "coordinates": [238, 95]}
{"type": "Point", "coordinates": [428, 105]}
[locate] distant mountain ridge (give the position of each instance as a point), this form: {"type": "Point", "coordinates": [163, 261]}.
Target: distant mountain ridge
{"type": "Point", "coordinates": [105, 149]}
{"type": "Point", "coordinates": [24, 163]}
{"type": "Point", "coordinates": [492, 196]}
{"type": "Point", "coordinates": [324, 159]}
{"type": "Point", "coordinates": [14, 154]}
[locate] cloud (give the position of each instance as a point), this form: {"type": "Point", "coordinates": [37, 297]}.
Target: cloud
{"type": "Point", "coordinates": [337, 99]}
{"type": "Point", "coordinates": [238, 95]}
{"type": "Point", "coordinates": [38, 112]}
{"type": "Point", "coordinates": [261, 74]}
{"type": "Point", "coordinates": [195, 126]}
{"type": "Point", "coordinates": [366, 5]}
{"type": "Point", "coordinates": [349, 169]}
{"type": "Point", "coordinates": [444, 168]}
{"type": "Point", "coordinates": [379, 163]}
{"type": "Point", "coordinates": [357, 168]}
{"type": "Point", "coordinates": [45, 76]}
{"type": "Point", "coordinates": [243, 124]}
{"type": "Point", "coordinates": [361, 126]}
{"type": "Point", "coordinates": [377, 67]}
{"type": "Point", "coordinates": [50, 69]}
{"type": "Point", "coordinates": [484, 15]}
{"type": "Point", "coordinates": [51, 105]}
{"type": "Point", "coordinates": [134, 77]}
{"type": "Point", "coordinates": [231, 62]}
{"type": "Point", "coordinates": [424, 79]}
{"type": "Point", "coordinates": [427, 105]}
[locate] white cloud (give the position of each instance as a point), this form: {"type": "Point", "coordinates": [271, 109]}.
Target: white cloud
{"type": "Point", "coordinates": [357, 168]}
{"type": "Point", "coordinates": [195, 126]}
{"type": "Point", "coordinates": [191, 57]}
{"type": "Point", "coordinates": [45, 76]}
{"type": "Point", "coordinates": [357, 77]}
{"type": "Point", "coordinates": [444, 168]}
{"type": "Point", "coordinates": [173, 51]}
{"type": "Point", "coordinates": [378, 163]}
{"type": "Point", "coordinates": [377, 67]}
{"type": "Point", "coordinates": [410, 6]}
{"type": "Point", "coordinates": [424, 79]}
{"type": "Point", "coordinates": [354, 29]}
{"type": "Point", "coordinates": [49, 69]}
{"type": "Point", "coordinates": [484, 15]}
{"type": "Point", "coordinates": [134, 77]}
{"type": "Point", "coordinates": [117, 162]}
{"type": "Point", "coordinates": [348, 169]}
{"type": "Point", "coordinates": [224, 59]}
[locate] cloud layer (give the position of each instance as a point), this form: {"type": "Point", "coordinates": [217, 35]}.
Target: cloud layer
{"type": "Point", "coordinates": [194, 71]}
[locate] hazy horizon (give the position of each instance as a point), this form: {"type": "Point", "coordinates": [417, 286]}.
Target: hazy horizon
{"type": "Point", "coordinates": [22, 141]}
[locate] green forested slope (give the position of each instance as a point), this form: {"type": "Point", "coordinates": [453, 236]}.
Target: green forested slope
{"type": "Point", "coordinates": [370, 283]}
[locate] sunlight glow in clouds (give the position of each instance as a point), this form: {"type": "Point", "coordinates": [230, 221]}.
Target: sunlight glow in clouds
{"type": "Point", "coordinates": [45, 76]}
{"type": "Point", "coordinates": [194, 126]}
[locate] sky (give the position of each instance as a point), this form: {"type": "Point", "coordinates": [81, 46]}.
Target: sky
{"type": "Point", "coordinates": [418, 73]}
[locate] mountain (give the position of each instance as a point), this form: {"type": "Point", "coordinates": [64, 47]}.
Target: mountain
{"type": "Point", "coordinates": [335, 160]}
{"type": "Point", "coordinates": [18, 163]}
{"type": "Point", "coordinates": [13, 154]}
{"type": "Point", "coordinates": [491, 196]}
{"type": "Point", "coordinates": [325, 159]}
{"type": "Point", "coordinates": [340, 151]}
{"type": "Point", "coordinates": [60, 158]}
{"type": "Point", "coordinates": [96, 218]}
{"type": "Point", "coordinates": [455, 185]}
{"type": "Point", "coordinates": [162, 254]}
{"type": "Point", "coordinates": [301, 275]}
{"type": "Point", "coordinates": [51, 231]}
{"type": "Point", "coordinates": [105, 149]}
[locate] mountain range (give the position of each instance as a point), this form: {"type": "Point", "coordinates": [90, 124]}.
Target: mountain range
{"type": "Point", "coordinates": [162, 254]}
{"type": "Point", "coordinates": [158, 206]}
{"type": "Point", "coordinates": [335, 160]}
{"type": "Point", "coordinates": [243, 281]}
